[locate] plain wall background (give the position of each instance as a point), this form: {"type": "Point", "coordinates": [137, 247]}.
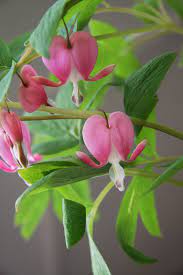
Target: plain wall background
{"type": "Point", "coordinates": [45, 253]}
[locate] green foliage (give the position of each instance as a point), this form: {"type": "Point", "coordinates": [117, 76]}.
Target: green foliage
{"type": "Point", "coordinates": [5, 56]}
{"type": "Point", "coordinates": [114, 50]}
{"type": "Point", "coordinates": [55, 146]}
{"type": "Point", "coordinates": [98, 263]}
{"type": "Point", "coordinates": [99, 266]}
{"type": "Point", "coordinates": [40, 170]}
{"type": "Point", "coordinates": [140, 95]}
{"type": "Point", "coordinates": [6, 81]}
{"type": "Point", "coordinates": [30, 213]}
{"type": "Point", "coordinates": [177, 6]}
{"type": "Point", "coordinates": [133, 205]}
{"type": "Point", "coordinates": [147, 208]}
{"type": "Point", "coordinates": [42, 36]}
{"type": "Point", "coordinates": [147, 6]}
{"type": "Point", "coordinates": [31, 210]}
{"type": "Point", "coordinates": [167, 174]}
{"type": "Point", "coordinates": [126, 224]}
{"type": "Point", "coordinates": [17, 45]}
{"type": "Point", "coordinates": [74, 221]}
{"type": "Point", "coordinates": [57, 204]}
{"type": "Point", "coordinates": [61, 177]}
{"type": "Point", "coordinates": [86, 13]}
{"type": "Point", "coordinates": [63, 134]}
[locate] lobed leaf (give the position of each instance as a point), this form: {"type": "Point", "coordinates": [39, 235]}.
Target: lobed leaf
{"type": "Point", "coordinates": [126, 224]}
{"type": "Point", "coordinates": [30, 213]}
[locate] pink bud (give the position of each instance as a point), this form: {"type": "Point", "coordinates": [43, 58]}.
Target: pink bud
{"type": "Point", "coordinates": [15, 143]}
{"type": "Point", "coordinates": [110, 142]}
{"type": "Point", "coordinates": [76, 62]}
{"type": "Point", "coordinates": [11, 124]}
{"type": "Point", "coordinates": [31, 92]}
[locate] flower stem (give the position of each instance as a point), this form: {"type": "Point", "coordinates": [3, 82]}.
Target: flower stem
{"type": "Point", "coordinates": [139, 172]}
{"type": "Point", "coordinates": [79, 114]}
{"type": "Point", "coordinates": [158, 160]}
{"type": "Point", "coordinates": [96, 205]}
{"type": "Point", "coordinates": [130, 31]}
{"type": "Point", "coordinates": [130, 12]}
{"type": "Point", "coordinates": [25, 55]}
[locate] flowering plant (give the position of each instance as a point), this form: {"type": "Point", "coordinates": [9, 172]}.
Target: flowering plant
{"type": "Point", "coordinates": [74, 140]}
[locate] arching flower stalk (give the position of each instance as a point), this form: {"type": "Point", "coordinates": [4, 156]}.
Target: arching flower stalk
{"type": "Point", "coordinates": [73, 59]}
{"type": "Point", "coordinates": [110, 141]}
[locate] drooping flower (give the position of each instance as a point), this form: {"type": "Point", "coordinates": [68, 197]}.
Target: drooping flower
{"type": "Point", "coordinates": [31, 91]}
{"type": "Point", "coordinates": [73, 59]}
{"type": "Point", "coordinates": [15, 143]}
{"type": "Point", "coordinates": [110, 141]}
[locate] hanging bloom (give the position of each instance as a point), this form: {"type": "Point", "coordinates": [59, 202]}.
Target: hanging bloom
{"type": "Point", "coordinates": [15, 141]}
{"type": "Point", "coordinates": [73, 59]}
{"type": "Point", "coordinates": [31, 92]}
{"type": "Point", "coordinates": [110, 141]}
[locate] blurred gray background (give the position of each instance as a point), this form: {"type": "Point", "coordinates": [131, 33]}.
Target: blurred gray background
{"type": "Point", "coordinates": [45, 253]}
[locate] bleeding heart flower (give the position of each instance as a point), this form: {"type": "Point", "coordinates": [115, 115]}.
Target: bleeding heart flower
{"type": "Point", "coordinates": [15, 141]}
{"type": "Point", "coordinates": [31, 92]}
{"type": "Point", "coordinates": [74, 59]}
{"type": "Point", "coordinates": [110, 141]}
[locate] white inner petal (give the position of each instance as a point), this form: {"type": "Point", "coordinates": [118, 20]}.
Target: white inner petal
{"type": "Point", "coordinates": [116, 172]}
{"type": "Point", "coordinates": [114, 155]}
{"type": "Point", "coordinates": [74, 78]}
{"type": "Point", "coordinates": [117, 175]}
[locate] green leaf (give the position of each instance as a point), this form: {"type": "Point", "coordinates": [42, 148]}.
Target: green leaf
{"type": "Point", "coordinates": [147, 208]}
{"type": "Point", "coordinates": [17, 45]}
{"type": "Point", "coordinates": [145, 7]}
{"type": "Point", "coordinates": [141, 87]}
{"type": "Point", "coordinates": [177, 6]}
{"type": "Point", "coordinates": [30, 213]}
{"type": "Point", "coordinates": [40, 170]}
{"type": "Point", "coordinates": [62, 134]}
{"type": "Point", "coordinates": [56, 199]}
{"type": "Point", "coordinates": [71, 192]}
{"type": "Point", "coordinates": [99, 266]}
{"type": "Point", "coordinates": [42, 36]}
{"type": "Point", "coordinates": [115, 50]}
{"type": "Point", "coordinates": [56, 178]}
{"type": "Point", "coordinates": [126, 224]}
{"type": "Point", "coordinates": [5, 56]}
{"type": "Point", "coordinates": [55, 146]}
{"type": "Point", "coordinates": [94, 93]}
{"type": "Point", "coordinates": [168, 173]}
{"type": "Point", "coordinates": [74, 221]}
{"type": "Point", "coordinates": [6, 81]}
{"type": "Point", "coordinates": [87, 13]}
{"type": "Point", "coordinates": [83, 189]}
{"type": "Point", "coordinates": [64, 176]}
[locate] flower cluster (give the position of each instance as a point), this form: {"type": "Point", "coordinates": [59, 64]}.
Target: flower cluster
{"type": "Point", "coordinates": [109, 140]}
{"type": "Point", "coordinates": [70, 60]}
